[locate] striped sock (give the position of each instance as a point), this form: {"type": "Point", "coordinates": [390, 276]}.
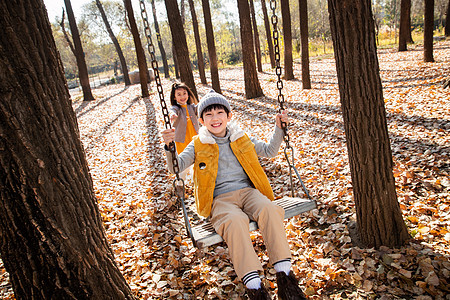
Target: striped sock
{"type": "Point", "coordinates": [252, 280]}
{"type": "Point", "coordinates": [283, 265]}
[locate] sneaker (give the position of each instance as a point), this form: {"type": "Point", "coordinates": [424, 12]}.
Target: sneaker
{"type": "Point", "coordinates": [288, 288]}
{"type": "Point", "coordinates": [259, 294]}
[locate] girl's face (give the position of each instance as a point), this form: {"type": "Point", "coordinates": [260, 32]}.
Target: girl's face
{"type": "Point", "coordinates": [181, 96]}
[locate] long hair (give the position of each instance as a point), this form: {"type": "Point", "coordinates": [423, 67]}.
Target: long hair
{"type": "Point", "coordinates": [182, 85]}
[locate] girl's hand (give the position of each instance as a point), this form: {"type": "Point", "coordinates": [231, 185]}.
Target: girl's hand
{"type": "Point", "coordinates": [168, 135]}
{"type": "Point", "coordinates": [283, 117]}
{"type": "Point", "coordinates": [173, 117]}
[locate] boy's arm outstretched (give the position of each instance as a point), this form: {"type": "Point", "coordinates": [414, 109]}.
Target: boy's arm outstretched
{"type": "Point", "coordinates": [271, 149]}
{"type": "Point", "coordinates": [185, 159]}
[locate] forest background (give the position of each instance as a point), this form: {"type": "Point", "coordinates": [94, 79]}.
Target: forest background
{"type": "Point", "coordinates": [101, 57]}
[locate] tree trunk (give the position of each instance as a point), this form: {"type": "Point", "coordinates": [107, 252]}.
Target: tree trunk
{"type": "Point", "coordinates": [428, 31]}
{"type": "Point", "coordinates": [140, 54]}
{"type": "Point", "coordinates": [252, 86]}
{"type": "Point", "coordinates": [447, 20]}
{"type": "Point", "coordinates": [256, 37]}
{"type": "Point", "coordinates": [198, 44]}
{"type": "Point", "coordinates": [182, 12]}
{"type": "Point", "coordinates": [53, 244]}
{"type": "Point", "coordinates": [410, 39]}
{"type": "Point", "coordinates": [66, 36]}
{"type": "Point", "coordinates": [213, 66]}
{"type": "Point", "coordinates": [160, 44]}
{"type": "Point", "coordinates": [287, 34]}
{"type": "Point", "coordinates": [268, 34]}
{"type": "Point", "coordinates": [405, 28]}
{"type": "Point", "coordinates": [79, 54]}
{"type": "Point", "coordinates": [123, 62]}
{"type": "Point", "coordinates": [181, 48]}
{"type": "Point", "coordinates": [303, 8]}
{"type": "Point", "coordinates": [378, 214]}
{"type": "Point", "coordinates": [175, 62]}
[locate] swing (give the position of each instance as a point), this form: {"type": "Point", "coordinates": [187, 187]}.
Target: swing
{"type": "Point", "coordinates": [204, 235]}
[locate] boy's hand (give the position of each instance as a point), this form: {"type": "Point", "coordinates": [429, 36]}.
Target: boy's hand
{"type": "Point", "coordinates": [168, 135]}
{"type": "Point", "coordinates": [173, 117]}
{"type": "Point", "coordinates": [283, 117]}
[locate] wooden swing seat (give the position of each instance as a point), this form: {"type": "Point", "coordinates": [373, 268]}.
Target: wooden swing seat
{"type": "Point", "coordinates": [204, 235]}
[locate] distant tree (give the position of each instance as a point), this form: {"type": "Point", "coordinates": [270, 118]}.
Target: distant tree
{"type": "Point", "coordinates": [182, 12]}
{"type": "Point", "coordinates": [180, 44]}
{"type": "Point", "coordinates": [251, 81]}
{"type": "Point", "coordinates": [160, 44]}
{"type": "Point", "coordinates": [303, 8]}
{"type": "Point", "coordinates": [428, 31]}
{"type": "Point", "coordinates": [198, 44]}
{"type": "Point", "coordinates": [79, 54]}
{"type": "Point", "coordinates": [213, 65]}
{"type": "Point", "coordinates": [53, 243]}
{"type": "Point", "coordinates": [116, 44]}
{"type": "Point", "coordinates": [378, 214]}
{"type": "Point", "coordinates": [268, 34]}
{"type": "Point", "coordinates": [287, 35]}
{"type": "Point", "coordinates": [447, 20]}
{"type": "Point", "coordinates": [140, 54]}
{"type": "Point", "coordinates": [175, 61]}
{"type": "Point", "coordinates": [405, 25]}
{"type": "Point", "coordinates": [256, 37]}
{"type": "Point", "coordinates": [408, 20]}
{"type": "Point", "coordinates": [66, 36]}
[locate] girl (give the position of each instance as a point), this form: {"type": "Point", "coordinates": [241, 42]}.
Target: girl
{"type": "Point", "coordinates": [183, 115]}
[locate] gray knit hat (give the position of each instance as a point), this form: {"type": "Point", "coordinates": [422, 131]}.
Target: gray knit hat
{"type": "Point", "coordinates": [212, 98]}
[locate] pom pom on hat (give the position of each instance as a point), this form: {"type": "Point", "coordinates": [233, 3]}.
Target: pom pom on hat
{"type": "Point", "coordinates": [212, 98]}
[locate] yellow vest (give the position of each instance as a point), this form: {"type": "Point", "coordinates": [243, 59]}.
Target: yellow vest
{"type": "Point", "coordinates": [206, 166]}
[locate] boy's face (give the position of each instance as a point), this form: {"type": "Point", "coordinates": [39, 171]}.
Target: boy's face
{"type": "Point", "coordinates": [216, 121]}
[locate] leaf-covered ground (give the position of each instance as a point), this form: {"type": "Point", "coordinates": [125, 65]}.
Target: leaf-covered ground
{"type": "Point", "coordinates": [120, 133]}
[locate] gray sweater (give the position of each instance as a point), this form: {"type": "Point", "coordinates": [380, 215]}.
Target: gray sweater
{"type": "Point", "coordinates": [230, 175]}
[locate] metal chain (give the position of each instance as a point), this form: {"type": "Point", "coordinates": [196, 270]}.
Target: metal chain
{"type": "Point", "coordinates": [165, 111]}
{"type": "Point", "coordinates": [280, 98]}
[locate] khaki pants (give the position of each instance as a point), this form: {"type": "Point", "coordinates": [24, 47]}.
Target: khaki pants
{"type": "Point", "coordinates": [230, 216]}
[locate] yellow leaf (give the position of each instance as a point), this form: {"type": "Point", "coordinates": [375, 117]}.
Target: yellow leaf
{"type": "Point", "coordinates": [178, 239]}
{"type": "Point", "coordinates": [424, 229]}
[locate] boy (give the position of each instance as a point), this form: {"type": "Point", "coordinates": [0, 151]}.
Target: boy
{"type": "Point", "coordinates": [231, 187]}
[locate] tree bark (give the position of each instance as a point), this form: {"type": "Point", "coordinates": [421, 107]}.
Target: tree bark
{"type": "Point", "coordinates": [405, 28]}
{"type": "Point", "coordinates": [428, 31]}
{"type": "Point", "coordinates": [116, 44]}
{"type": "Point", "coordinates": [198, 44]}
{"type": "Point", "coordinates": [251, 81]}
{"type": "Point", "coordinates": [53, 244]}
{"type": "Point", "coordinates": [213, 66]}
{"type": "Point", "coordinates": [287, 34]}
{"type": "Point", "coordinates": [256, 37]}
{"type": "Point", "coordinates": [447, 20]}
{"type": "Point", "coordinates": [306, 78]}
{"type": "Point", "coordinates": [181, 48]}
{"type": "Point", "coordinates": [140, 54]}
{"type": "Point", "coordinates": [268, 34]}
{"type": "Point", "coordinates": [379, 219]}
{"type": "Point", "coordinates": [79, 54]}
{"type": "Point", "coordinates": [160, 44]}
